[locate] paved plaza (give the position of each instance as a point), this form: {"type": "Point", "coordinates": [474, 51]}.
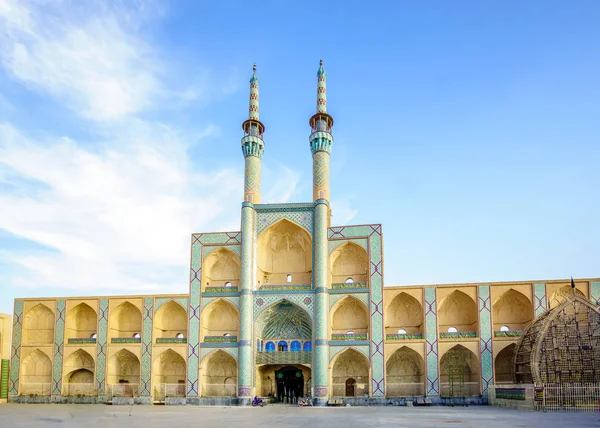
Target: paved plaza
{"type": "Point", "coordinates": [105, 416]}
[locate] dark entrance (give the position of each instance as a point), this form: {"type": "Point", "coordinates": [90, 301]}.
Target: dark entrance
{"type": "Point", "coordinates": [290, 384]}
{"type": "Point", "coordinates": [350, 387]}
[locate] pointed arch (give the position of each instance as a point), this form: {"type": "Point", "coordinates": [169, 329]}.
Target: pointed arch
{"type": "Point", "coordinates": [284, 254]}
{"type": "Point", "coordinates": [561, 294]}
{"type": "Point", "coordinates": [220, 317]}
{"type": "Point", "coordinates": [219, 374]}
{"type": "Point", "coordinates": [458, 310]}
{"type": "Point", "coordinates": [124, 367]}
{"type": "Point", "coordinates": [81, 321]}
{"type": "Point", "coordinates": [221, 266]}
{"type": "Point", "coordinates": [284, 320]}
{"type": "Point", "coordinates": [405, 373]}
{"type": "Point", "coordinates": [504, 365]}
{"type": "Point", "coordinates": [350, 375]}
{"type": "Point", "coordinates": [349, 261]}
{"type": "Point", "coordinates": [38, 327]}
{"type": "Point", "coordinates": [350, 315]}
{"type": "Point", "coordinates": [36, 373]}
{"type": "Point", "coordinates": [169, 367]}
{"type": "Point", "coordinates": [404, 312]}
{"type": "Point", "coordinates": [512, 309]}
{"type": "Point", "coordinates": [125, 321]}
{"type": "Point", "coordinates": [459, 368]}
{"type": "Point", "coordinates": [78, 374]}
{"type": "Point", "coordinates": [170, 320]}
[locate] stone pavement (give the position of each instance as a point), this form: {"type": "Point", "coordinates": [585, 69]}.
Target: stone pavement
{"type": "Point", "coordinates": [105, 416]}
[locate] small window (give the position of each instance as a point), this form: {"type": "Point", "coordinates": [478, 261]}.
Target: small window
{"type": "Point", "coordinates": [179, 336]}
{"type": "Point", "coordinates": [136, 335]}
{"type": "Point", "coordinates": [226, 335]}
{"type": "Point", "coordinates": [401, 331]}
{"type": "Point", "coordinates": [93, 336]}
{"type": "Point", "coordinates": [228, 284]}
{"type": "Point", "coordinates": [349, 332]}
{"type": "Point", "coordinates": [249, 197]}
{"type": "Point", "coordinates": [289, 278]}
{"type": "Point", "coordinates": [349, 281]}
{"type": "Point", "coordinates": [452, 330]}
{"type": "Point", "coordinates": [504, 328]}
{"type": "Point", "coordinates": [321, 194]}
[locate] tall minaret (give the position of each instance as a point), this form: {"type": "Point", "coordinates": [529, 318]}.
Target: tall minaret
{"type": "Point", "coordinates": [320, 145]}
{"type": "Point", "coordinates": [321, 139]}
{"type": "Point", "coordinates": [253, 145]}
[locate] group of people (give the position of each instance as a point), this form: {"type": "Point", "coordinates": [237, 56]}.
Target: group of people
{"type": "Point", "coordinates": [287, 394]}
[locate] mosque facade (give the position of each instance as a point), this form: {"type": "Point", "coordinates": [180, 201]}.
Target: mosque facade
{"type": "Point", "coordinates": [290, 305]}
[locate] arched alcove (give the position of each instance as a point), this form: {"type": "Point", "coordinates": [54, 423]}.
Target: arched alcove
{"type": "Point", "coordinates": [405, 374]}
{"type": "Point", "coordinates": [350, 315]}
{"type": "Point", "coordinates": [170, 320]}
{"type": "Point", "coordinates": [505, 365]}
{"type": "Point", "coordinates": [350, 374]}
{"type": "Point", "coordinates": [284, 255]}
{"type": "Point", "coordinates": [168, 375]}
{"type": "Point", "coordinates": [512, 310]}
{"type": "Point", "coordinates": [36, 374]}
{"type": "Point", "coordinates": [78, 373]}
{"type": "Point", "coordinates": [563, 292]}
{"type": "Point", "coordinates": [458, 310]}
{"type": "Point", "coordinates": [219, 375]}
{"type": "Point", "coordinates": [38, 327]}
{"type": "Point", "coordinates": [125, 321]}
{"type": "Point", "coordinates": [219, 318]}
{"type": "Point", "coordinates": [221, 266]}
{"type": "Point", "coordinates": [81, 322]}
{"type": "Point", "coordinates": [124, 373]}
{"type": "Point", "coordinates": [459, 372]}
{"type": "Point", "coordinates": [349, 262]}
{"type": "Point", "coordinates": [404, 312]}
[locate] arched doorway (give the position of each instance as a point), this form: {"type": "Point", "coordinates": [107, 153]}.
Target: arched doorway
{"type": "Point", "coordinates": [350, 387]}
{"type": "Point", "coordinates": [290, 384]}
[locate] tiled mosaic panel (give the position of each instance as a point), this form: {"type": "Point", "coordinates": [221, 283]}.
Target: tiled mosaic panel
{"type": "Point", "coordinates": [374, 235]}
{"type": "Point", "coordinates": [15, 355]}
{"type": "Point", "coordinates": [485, 341]}
{"type": "Point", "coordinates": [540, 302]}
{"type": "Point", "coordinates": [59, 340]}
{"type": "Point", "coordinates": [209, 249]}
{"type": "Point", "coordinates": [431, 343]}
{"type": "Point", "coordinates": [145, 384]}
{"type": "Point", "coordinates": [335, 350]}
{"type": "Point", "coordinates": [217, 238]}
{"type": "Point", "coordinates": [321, 307]}
{"type": "Point", "coordinates": [245, 360]}
{"type": "Point", "coordinates": [194, 319]}
{"type": "Point", "coordinates": [101, 345]}
{"type": "Point", "coordinates": [159, 301]}
{"type": "Point", "coordinates": [595, 292]}
{"type": "Point", "coordinates": [265, 219]}
{"type": "Point", "coordinates": [362, 242]}
{"type": "Point", "coordinates": [4, 370]}
{"type": "Point", "coordinates": [263, 301]}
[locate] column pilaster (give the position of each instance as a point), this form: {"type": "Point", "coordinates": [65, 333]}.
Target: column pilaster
{"type": "Point", "coordinates": [321, 350]}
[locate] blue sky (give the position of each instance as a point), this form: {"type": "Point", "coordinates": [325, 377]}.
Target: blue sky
{"type": "Point", "coordinates": [468, 129]}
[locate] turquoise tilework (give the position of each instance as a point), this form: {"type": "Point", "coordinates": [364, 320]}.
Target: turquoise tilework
{"type": "Point", "coordinates": [431, 343]}
{"type": "Point", "coordinates": [485, 338]}
{"type": "Point", "coordinates": [373, 233]}
{"type": "Point", "coordinates": [321, 307]}
{"type": "Point", "coordinates": [303, 218]}
{"type": "Point", "coordinates": [217, 238]}
{"type": "Point", "coordinates": [101, 346]}
{"type": "Point", "coordinates": [159, 301]}
{"type": "Point", "coordinates": [540, 302]}
{"type": "Point", "coordinates": [595, 292]}
{"type": "Point", "coordinates": [15, 355]}
{"type": "Point", "coordinates": [245, 361]}
{"type": "Point", "coordinates": [194, 319]}
{"type": "Point", "coordinates": [59, 341]}
{"type": "Point", "coordinates": [262, 301]}
{"type": "Point", "coordinates": [145, 383]}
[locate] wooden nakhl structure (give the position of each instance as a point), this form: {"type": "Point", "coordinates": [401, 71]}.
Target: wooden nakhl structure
{"type": "Point", "coordinates": [562, 346]}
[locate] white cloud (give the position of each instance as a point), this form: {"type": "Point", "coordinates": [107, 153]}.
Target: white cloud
{"type": "Point", "coordinates": [90, 58]}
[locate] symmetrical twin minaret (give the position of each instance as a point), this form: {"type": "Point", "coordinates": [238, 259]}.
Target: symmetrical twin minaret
{"type": "Point", "coordinates": [321, 141]}
{"type": "Point", "coordinates": [253, 145]}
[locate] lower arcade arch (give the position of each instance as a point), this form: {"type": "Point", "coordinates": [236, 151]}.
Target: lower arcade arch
{"type": "Point", "coordinates": [78, 372]}
{"type": "Point", "coordinates": [350, 374]}
{"type": "Point", "coordinates": [405, 374]}
{"type": "Point", "coordinates": [459, 373]}
{"type": "Point", "coordinates": [35, 374]}
{"type": "Point", "coordinates": [168, 375]}
{"type": "Point", "coordinates": [504, 365]}
{"type": "Point", "coordinates": [123, 373]}
{"type": "Point", "coordinates": [219, 375]}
